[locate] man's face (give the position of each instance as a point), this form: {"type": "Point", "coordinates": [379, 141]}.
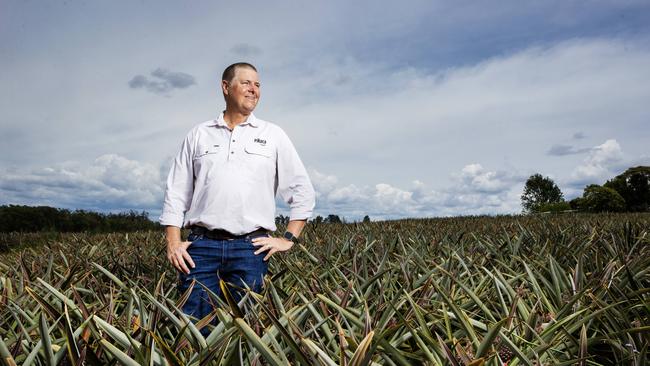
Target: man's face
{"type": "Point", "coordinates": [243, 92]}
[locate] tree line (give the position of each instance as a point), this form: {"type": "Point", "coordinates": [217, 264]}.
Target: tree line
{"type": "Point", "coordinates": [627, 192]}
{"type": "Point", "coordinates": [329, 219]}
{"type": "Point", "coordinates": [15, 218]}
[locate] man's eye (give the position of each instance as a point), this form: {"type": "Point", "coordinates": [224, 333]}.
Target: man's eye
{"type": "Point", "coordinates": [245, 82]}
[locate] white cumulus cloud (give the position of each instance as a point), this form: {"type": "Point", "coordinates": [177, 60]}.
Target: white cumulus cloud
{"type": "Point", "coordinates": [474, 190]}
{"type": "Point", "coordinates": [602, 163]}
{"type": "Point", "coordinates": [110, 183]}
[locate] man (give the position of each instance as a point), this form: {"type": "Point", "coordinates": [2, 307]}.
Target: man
{"type": "Point", "coordinates": [222, 185]}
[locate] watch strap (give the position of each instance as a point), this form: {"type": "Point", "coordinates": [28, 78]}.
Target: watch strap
{"type": "Point", "coordinates": [289, 236]}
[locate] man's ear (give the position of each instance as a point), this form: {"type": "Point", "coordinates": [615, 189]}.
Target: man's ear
{"type": "Point", "coordinates": [224, 87]}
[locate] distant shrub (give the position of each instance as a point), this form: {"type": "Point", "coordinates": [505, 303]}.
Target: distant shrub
{"type": "Point", "coordinates": [555, 207]}
{"type": "Point", "coordinates": [577, 203]}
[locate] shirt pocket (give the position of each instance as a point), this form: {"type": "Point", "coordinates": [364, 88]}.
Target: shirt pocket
{"type": "Point", "coordinates": [206, 151]}
{"type": "Point", "coordinates": [259, 161]}
{"type": "Point", "coordinates": [206, 158]}
{"type": "Point", "coordinates": [255, 150]}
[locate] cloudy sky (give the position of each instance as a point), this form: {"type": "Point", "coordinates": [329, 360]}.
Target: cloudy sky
{"type": "Point", "coordinates": [398, 109]}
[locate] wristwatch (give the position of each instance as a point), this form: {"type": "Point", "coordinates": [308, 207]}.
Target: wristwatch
{"type": "Point", "coordinates": [289, 236]}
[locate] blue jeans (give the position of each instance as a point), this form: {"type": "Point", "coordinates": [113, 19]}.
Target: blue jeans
{"type": "Point", "coordinates": [233, 261]}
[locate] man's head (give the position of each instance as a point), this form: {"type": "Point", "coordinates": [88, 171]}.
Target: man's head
{"type": "Point", "coordinates": [241, 87]}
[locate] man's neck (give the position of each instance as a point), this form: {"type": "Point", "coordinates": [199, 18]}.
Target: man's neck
{"type": "Point", "coordinates": [232, 118]}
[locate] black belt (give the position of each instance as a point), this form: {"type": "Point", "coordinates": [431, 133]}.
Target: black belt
{"type": "Point", "coordinates": [219, 234]}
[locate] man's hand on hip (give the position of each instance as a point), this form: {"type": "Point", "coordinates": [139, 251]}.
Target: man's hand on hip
{"type": "Point", "coordinates": [178, 256]}
{"type": "Point", "coordinates": [273, 245]}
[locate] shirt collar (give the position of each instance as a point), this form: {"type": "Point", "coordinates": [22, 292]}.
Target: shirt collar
{"type": "Point", "coordinates": [251, 120]}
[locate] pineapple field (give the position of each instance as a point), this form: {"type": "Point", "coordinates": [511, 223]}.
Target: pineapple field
{"type": "Point", "coordinates": [570, 289]}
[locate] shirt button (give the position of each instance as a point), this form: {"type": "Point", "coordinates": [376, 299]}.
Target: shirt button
{"type": "Point", "coordinates": [232, 152]}
{"type": "Point", "coordinates": [233, 140]}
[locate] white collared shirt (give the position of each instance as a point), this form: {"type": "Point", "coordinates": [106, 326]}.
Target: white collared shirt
{"type": "Point", "coordinates": [223, 179]}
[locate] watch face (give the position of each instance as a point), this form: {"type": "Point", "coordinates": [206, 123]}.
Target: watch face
{"type": "Point", "coordinates": [288, 235]}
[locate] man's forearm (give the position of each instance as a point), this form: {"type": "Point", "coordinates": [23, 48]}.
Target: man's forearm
{"type": "Point", "coordinates": [172, 234]}
{"type": "Point", "coordinates": [295, 227]}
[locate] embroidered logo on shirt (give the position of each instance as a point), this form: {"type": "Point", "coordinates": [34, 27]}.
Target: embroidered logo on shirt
{"type": "Point", "coordinates": [260, 141]}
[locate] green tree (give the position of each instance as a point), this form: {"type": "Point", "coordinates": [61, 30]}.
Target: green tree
{"type": "Point", "coordinates": [281, 220]}
{"type": "Point", "coordinates": [539, 191]}
{"type": "Point", "coordinates": [333, 219]}
{"type": "Point", "coordinates": [602, 199]}
{"type": "Point", "coordinates": [634, 186]}
{"type": "Point", "coordinates": [366, 218]}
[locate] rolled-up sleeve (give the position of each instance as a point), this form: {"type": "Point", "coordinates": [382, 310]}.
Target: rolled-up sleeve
{"type": "Point", "coordinates": [180, 186]}
{"type": "Point", "coordinates": [293, 184]}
